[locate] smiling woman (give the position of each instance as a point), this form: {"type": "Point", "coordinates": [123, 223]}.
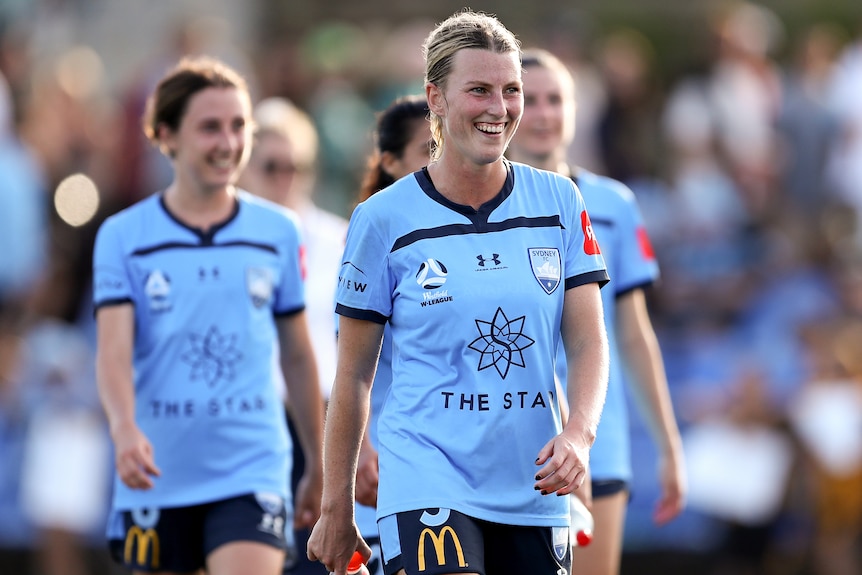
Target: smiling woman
{"type": "Point", "coordinates": [482, 269]}
{"type": "Point", "coordinates": [199, 294]}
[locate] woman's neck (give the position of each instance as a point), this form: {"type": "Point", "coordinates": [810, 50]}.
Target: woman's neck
{"type": "Point", "coordinates": [468, 184]}
{"type": "Point", "coordinates": [200, 209]}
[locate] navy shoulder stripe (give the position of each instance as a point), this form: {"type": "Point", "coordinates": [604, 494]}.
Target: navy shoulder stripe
{"type": "Point", "coordinates": [186, 245]}
{"type": "Point", "coordinates": [488, 227]}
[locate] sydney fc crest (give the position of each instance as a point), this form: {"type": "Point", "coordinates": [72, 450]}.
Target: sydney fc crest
{"type": "Point", "coordinates": [260, 285]}
{"type": "Point", "coordinates": [561, 541]}
{"type": "Point", "coordinates": [546, 266]}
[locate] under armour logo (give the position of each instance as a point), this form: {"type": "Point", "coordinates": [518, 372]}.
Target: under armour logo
{"type": "Point", "coordinates": [203, 272]}
{"type": "Point", "coordinates": [494, 258]}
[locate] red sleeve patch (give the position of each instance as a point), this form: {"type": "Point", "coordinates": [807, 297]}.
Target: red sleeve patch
{"type": "Point", "coordinates": [302, 267]}
{"type": "Point", "coordinates": [645, 244]}
{"type": "Point", "coordinates": [591, 244]}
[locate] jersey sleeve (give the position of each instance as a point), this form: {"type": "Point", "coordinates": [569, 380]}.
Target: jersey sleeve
{"type": "Point", "coordinates": [637, 263]}
{"type": "Point", "coordinates": [290, 296]}
{"type": "Point", "coordinates": [111, 282]}
{"type": "Point", "coordinates": [364, 287]}
{"type": "Point", "coordinates": [584, 260]}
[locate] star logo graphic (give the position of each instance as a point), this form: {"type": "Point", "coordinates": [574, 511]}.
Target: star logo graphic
{"type": "Point", "coordinates": [212, 356]}
{"type": "Point", "coordinates": [500, 343]}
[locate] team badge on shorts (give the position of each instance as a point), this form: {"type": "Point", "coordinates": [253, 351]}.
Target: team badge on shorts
{"type": "Point", "coordinates": [272, 521]}
{"type": "Point", "coordinates": [561, 541]}
{"type": "Point", "coordinates": [545, 263]}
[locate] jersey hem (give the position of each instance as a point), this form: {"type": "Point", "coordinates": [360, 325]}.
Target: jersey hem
{"type": "Point", "coordinates": [561, 520]}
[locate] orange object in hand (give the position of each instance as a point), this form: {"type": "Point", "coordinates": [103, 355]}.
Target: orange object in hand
{"type": "Point", "coordinates": [357, 565]}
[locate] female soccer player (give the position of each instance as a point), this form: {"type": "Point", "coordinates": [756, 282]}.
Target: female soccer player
{"type": "Point", "coordinates": [199, 294]}
{"type": "Point", "coordinates": [480, 267]}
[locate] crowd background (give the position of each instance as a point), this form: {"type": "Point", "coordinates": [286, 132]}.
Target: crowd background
{"type": "Point", "coordinates": [737, 125]}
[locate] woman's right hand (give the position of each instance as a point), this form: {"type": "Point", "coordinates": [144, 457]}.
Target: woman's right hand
{"type": "Point", "coordinates": [333, 545]}
{"type": "Point", "coordinates": [134, 458]}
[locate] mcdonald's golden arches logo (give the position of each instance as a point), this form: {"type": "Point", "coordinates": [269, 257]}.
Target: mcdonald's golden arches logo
{"type": "Point", "coordinates": [144, 540]}
{"type": "Point", "coordinates": [437, 540]}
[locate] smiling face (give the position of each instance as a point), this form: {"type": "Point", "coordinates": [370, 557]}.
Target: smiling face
{"type": "Point", "coordinates": [210, 146]}
{"type": "Point", "coordinates": [480, 105]}
{"type": "Point", "coordinates": [547, 126]}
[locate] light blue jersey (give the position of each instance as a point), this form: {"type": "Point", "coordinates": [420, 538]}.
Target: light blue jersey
{"type": "Point", "coordinates": [474, 300]}
{"type": "Point", "coordinates": [206, 359]}
{"type": "Point", "coordinates": [631, 264]}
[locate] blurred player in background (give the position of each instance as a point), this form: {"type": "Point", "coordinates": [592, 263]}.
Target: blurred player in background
{"type": "Point", "coordinates": [282, 168]}
{"type": "Point", "coordinates": [199, 298]}
{"type": "Point", "coordinates": [545, 133]}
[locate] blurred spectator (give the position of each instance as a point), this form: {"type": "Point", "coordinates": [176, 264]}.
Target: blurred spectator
{"type": "Point", "coordinates": [845, 162]}
{"type": "Point", "coordinates": [793, 288]}
{"type": "Point", "coordinates": [709, 250]}
{"type": "Point", "coordinates": [745, 96]}
{"type": "Point", "coordinates": [808, 129]}
{"type": "Point", "coordinates": [826, 415]}
{"type": "Point", "coordinates": [66, 461]}
{"type": "Point", "coordinates": [16, 533]}
{"type": "Point", "coordinates": [627, 128]}
{"type": "Point", "coordinates": [23, 207]}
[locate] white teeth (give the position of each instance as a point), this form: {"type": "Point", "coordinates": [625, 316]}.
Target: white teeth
{"type": "Point", "coordinates": [222, 163]}
{"type": "Point", "coordinates": [490, 128]}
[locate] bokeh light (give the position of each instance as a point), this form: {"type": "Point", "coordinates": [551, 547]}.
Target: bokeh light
{"type": "Point", "coordinates": [76, 200]}
{"type": "Point", "coordinates": [80, 71]}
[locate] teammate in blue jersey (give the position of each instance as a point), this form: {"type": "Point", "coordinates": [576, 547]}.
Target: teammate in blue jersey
{"type": "Point", "coordinates": [402, 146]}
{"type": "Point", "coordinates": [199, 296]}
{"type": "Point", "coordinates": [480, 267]}
{"type": "Point", "coordinates": [545, 133]}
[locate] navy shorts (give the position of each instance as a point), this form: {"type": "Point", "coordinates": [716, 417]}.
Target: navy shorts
{"type": "Point", "coordinates": [181, 538]}
{"type": "Point", "coordinates": [436, 541]}
{"type": "Point", "coordinates": [608, 487]}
